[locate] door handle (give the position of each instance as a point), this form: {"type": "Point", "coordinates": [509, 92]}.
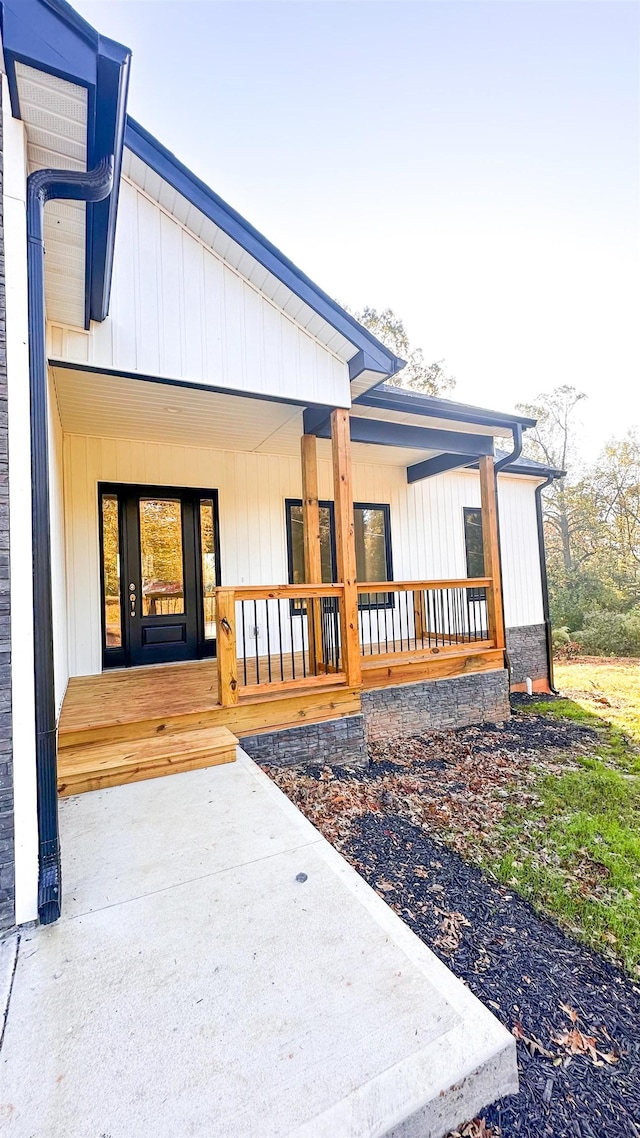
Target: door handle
{"type": "Point", "coordinates": [132, 598]}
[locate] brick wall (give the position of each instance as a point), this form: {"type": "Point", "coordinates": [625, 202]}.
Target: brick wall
{"type": "Point", "coordinates": [7, 868]}
{"type": "Point", "coordinates": [527, 648]}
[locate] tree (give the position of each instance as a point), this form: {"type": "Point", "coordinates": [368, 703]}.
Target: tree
{"type": "Point", "coordinates": [553, 441]}
{"type": "Point", "coordinates": [431, 379]}
{"type": "Point", "coordinates": [615, 483]}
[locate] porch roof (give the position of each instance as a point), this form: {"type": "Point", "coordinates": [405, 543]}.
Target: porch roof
{"type": "Point", "coordinates": [110, 404]}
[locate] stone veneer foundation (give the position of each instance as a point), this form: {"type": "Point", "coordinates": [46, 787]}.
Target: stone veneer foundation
{"type": "Point", "coordinates": [527, 648]}
{"type": "Point", "coordinates": [406, 709]}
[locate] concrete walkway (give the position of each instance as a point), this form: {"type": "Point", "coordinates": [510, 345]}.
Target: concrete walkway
{"type": "Point", "coordinates": [220, 971]}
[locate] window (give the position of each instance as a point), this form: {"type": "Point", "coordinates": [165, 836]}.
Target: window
{"type": "Point", "coordinates": [473, 542]}
{"type": "Point", "coordinates": [111, 583]}
{"type": "Point", "coordinates": [474, 549]}
{"type": "Point", "coordinates": [371, 524]}
{"type": "Point", "coordinates": [372, 539]}
{"type": "Point", "coordinates": [295, 541]}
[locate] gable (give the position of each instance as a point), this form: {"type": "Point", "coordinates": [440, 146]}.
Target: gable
{"type": "Point", "coordinates": [180, 310]}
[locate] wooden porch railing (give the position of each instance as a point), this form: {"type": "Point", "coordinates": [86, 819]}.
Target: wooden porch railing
{"type": "Point", "coordinates": [409, 617]}
{"type": "Point", "coordinates": [277, 638]}
{"type": "Point", "coordinates": [282, 638]}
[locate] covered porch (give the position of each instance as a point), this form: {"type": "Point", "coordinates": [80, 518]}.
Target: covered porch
{"type": "Point", "coordinates": [273, 655]}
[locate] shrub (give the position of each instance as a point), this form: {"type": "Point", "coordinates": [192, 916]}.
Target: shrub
{"type": "Point", "coordinates": [610, 634]}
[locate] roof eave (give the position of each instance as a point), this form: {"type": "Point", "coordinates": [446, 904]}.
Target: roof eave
{"type": "Point", "coordinates": [50, 36]}
{"type": "Point", "coordinates": [394, 398]}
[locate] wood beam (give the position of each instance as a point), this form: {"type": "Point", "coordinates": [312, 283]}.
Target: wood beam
{"type": "Point", "coordinates": [491, 546]}
{"type": "Point", "coordinates": [437, 465]}
{"type": "Point", "coordinates": [311, 539]}
{"type": "Point", "coordinates": [385, 433]}
{"type": "Point", "coordinates": [345, 545]}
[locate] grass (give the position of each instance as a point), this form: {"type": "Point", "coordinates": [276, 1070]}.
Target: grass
{"type": "Point", "coordinates": [574, 851]}
{"type": "Point", "coordinates": [605, 688]}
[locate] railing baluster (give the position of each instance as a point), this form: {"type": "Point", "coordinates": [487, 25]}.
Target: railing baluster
{"type": "Point", "coordinates": [291, 638]}
{"type": "Point", "coordinates": [266, 605]}
{"type": "Point", "coordinates": [304, 655]}
{"type": "Point", "coordinates": [244, 643]}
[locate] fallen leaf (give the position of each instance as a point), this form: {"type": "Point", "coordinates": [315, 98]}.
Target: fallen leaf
{"type": "Point", "coordinates": [533, 1045]}
{"type": "Point", "coordinates": [573, 1015]}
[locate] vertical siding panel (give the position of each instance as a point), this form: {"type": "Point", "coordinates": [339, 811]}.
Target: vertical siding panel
{"type": "Point", "coordinates": [233, 330]}
{"type": "Point", "coordinates": [253, 342]}
{"type": "Point", "coordinates": [194, 308]}
{"type": "Point", "coordinates": [213, 315]}
{"type": "Point", "coordinates": [172, 284]}
{"type": "Point", "coordinates": [148, 246]}
{"type": "Point", "coordinates": [123, 293]}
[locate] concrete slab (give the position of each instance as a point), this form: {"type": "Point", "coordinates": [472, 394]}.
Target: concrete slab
{"type": "Point", "coordinates": [195, 986]}
{"type": "Point", "coordinates": [120, 843]}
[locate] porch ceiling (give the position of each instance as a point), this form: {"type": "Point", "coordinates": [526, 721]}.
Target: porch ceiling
{"type": "Point", "coordinates": [111, 406]}
{"type": "Point", "coordinates": [117, 407]}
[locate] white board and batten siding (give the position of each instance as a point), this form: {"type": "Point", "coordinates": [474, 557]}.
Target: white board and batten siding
{"type": "Point", "coordinates": [426, 522]}
{"type": "Point", "coordinates": [179, 311]}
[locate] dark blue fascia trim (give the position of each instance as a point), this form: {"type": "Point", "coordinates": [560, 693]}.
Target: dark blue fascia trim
{"type": "Point", "coordinates": [414, 403]}
{"type": "Point", "coordinates": [155, 155]}
{"type": "Point", "coordinates": [363, 361]}
{"type": "Point", "coordinates": [438, 465]}
{"type": "Point", "coordinates": [50, 36]}
{"type": "Point", "coordinates": [111, 112]}
{"type": "Point", "coordinates": [380, 433]}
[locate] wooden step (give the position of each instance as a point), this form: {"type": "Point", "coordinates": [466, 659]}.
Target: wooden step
{"type": "Point", "coordinates": [97, 765]}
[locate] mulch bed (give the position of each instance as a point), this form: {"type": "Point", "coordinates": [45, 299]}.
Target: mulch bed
{"type": "Point", "coordinates": [575, 1015]}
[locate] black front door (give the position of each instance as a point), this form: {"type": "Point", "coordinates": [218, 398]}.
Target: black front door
{"type": "Point", "coordinates": [160, 567]}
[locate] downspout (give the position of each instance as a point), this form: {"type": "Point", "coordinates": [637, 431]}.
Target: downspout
{"type": "Point", "coordinates": [545, 583]}
{"type": "Point", "coordinates": [508, 458]}
{"type": "Point", "coordinates": [43, 186]}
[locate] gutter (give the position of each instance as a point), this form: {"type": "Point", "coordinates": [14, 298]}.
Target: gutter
{"type": "Point", "coordinates": [43, 186]}
{"type": "Point", "coordinates": [500, 465]}
{"type": "Point", "coordinates": [545, 581]}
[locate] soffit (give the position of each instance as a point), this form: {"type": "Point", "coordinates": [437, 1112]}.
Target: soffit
{"type": "Point", "coordinates": [54, 113]}
{"type": "Point", "coordinates": [362, 411]}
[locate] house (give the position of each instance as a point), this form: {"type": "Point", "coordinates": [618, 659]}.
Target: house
{"type": "Point", "coordinates": [219, 520]}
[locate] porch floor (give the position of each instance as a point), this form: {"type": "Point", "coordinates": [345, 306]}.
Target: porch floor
{"type": "Point", "coordinates": [132, 703]}
{"type": "Point", "coordinates": [196, 985]}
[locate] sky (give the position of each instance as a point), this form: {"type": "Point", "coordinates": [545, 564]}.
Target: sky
{"type": "Point", "coordinates": [473, 165]}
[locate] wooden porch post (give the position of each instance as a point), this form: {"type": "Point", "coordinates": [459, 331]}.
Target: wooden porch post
{"type": "Point", "coordinates": [495, 615]}
{"type": "Point", "coordinates": [226, 647]}
{"type": "Point", "coordinates": [345, 544]}
{"type": "Point", "coordinates": [311, 538]}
